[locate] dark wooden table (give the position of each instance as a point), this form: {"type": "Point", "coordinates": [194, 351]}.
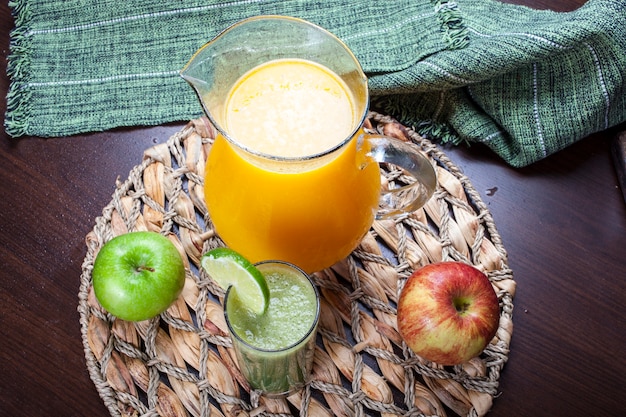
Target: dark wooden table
{"type": "Point", "coordinates": [562, 220]}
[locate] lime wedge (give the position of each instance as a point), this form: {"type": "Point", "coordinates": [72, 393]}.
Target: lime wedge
{"type": "Point", "coordinates": [229, 268]}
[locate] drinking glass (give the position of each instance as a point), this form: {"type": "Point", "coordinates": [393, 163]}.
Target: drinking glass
{"type": "Point", "coordinates": [275, 350]}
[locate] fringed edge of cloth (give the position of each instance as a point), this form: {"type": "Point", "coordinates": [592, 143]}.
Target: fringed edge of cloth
{"type": "Point", "coordinates": [18, 69]}
{"type": "Point", "coordinates": [455, 32]}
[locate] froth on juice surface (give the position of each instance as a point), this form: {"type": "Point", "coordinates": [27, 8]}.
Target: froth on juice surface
{"type": "Point", "coordinates": [290, 108]}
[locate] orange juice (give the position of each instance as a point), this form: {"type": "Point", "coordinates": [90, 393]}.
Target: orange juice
{"type": "Point", "coordinates": [312, 215]}
{"type": "Point", "coordinates": [273, 107]}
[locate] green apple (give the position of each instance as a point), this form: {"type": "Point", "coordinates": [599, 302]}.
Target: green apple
{"type": "Point", "coordinates": [138, 275]}
{"type": "Point", "coordinates": [448, 312]}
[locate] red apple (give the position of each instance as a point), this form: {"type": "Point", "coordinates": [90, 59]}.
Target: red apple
{"type": "Point", "coordinates": [448, 312]}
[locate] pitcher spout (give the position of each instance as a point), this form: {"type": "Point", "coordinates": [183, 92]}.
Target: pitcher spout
{"type": "Point", "coordinates": [197, 76]}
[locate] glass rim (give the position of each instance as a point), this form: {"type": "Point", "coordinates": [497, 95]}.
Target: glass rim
{"type": "Point", "coordinates": [308, 333]}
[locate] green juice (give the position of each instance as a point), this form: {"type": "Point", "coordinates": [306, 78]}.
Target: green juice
{"type": "Point", "coordinates": [275, 350]}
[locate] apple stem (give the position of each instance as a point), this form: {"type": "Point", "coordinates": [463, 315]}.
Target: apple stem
{"type": "Point", "coordinates": [144, 268]}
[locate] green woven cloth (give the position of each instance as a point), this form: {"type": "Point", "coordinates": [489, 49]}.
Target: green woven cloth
{"type": "Point", "coordinates": [525, 82]}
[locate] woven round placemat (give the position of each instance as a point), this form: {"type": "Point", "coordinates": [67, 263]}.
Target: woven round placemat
{"type": "Point", "coordinates": [181, 363]}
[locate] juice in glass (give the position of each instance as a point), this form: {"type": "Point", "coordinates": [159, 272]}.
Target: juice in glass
{"type": "Point", "coordinates": [308, 210]}
{"type": "Point", "coordinates": [275, 350]}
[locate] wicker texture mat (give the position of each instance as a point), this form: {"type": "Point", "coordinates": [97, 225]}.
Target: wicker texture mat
{"type": "Point", "coordinates": [182, 363]}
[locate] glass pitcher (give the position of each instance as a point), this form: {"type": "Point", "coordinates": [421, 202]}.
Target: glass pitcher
{"type": "Point", "coordinates": [292, 175]}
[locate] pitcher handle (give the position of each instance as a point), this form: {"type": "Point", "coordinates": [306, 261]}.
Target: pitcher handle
{"type": "Point", "coordinates": [418, 190]}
